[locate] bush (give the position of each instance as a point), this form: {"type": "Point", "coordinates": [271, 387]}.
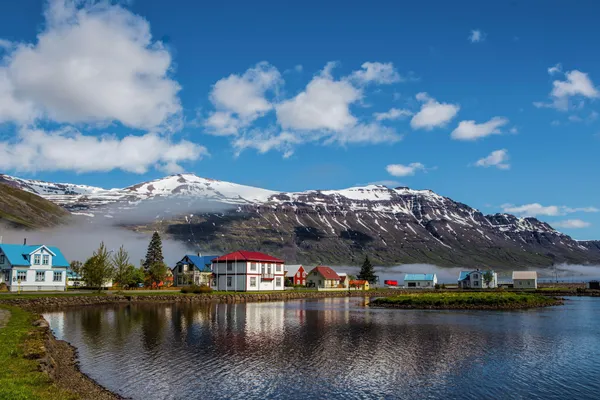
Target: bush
{"type": "Point", "coordinates": [196, 289]}
{"type": "Point", "coordinates": [437, 286]}
{"type": "Point", "coordinates": [3, 287]}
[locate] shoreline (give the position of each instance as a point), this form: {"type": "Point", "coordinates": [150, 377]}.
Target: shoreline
{"type": "Point", "coordinates": [61, 363]}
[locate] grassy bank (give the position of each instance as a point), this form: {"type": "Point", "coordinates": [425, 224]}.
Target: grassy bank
{"type": "Point", "coordinates": [466, 300]}
{"type": "Point", "coordinates": [20, 349]}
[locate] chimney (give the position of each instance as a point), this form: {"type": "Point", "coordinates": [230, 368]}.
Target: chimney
{"type": "Point", "coordinates": [24, 241]}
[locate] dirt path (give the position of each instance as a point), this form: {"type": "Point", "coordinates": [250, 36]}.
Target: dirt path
{"type": "Point", "coordinates": [4, 317]}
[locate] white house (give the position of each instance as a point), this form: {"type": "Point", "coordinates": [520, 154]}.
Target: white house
{"type": "Point", "coordinates": [251, 271]}
{"type": "Point", "coordinates": [477, 279]}
{"type": "Point", "coordinates": [420, 281]}
{"type": "Point", "coordinates": [193, 270]}
{"type": "Point", "coordinates": [524, 279]}
{"type": "Point", "coordinates": [32, 267]}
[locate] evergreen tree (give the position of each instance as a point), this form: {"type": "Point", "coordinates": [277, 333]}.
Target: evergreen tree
{"type": "Point", "coordinates": [154, 254]}
{"type": "Point", "coordinates": [98, 269]}
{"type": "Point", "coordinates": [367, 272]}
{"type": "Point", "coordinates": [122, 267]}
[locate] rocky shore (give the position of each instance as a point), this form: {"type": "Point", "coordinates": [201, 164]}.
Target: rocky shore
{"type": "Point", "coordinates": [51, 302]}
{"type": "Point", "coordinates": [60, 362]}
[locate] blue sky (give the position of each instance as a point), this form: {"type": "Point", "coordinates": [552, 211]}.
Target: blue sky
{"type": "Point", "coordinates": [494, 105]}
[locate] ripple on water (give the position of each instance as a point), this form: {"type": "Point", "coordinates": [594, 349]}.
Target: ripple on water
{"type": "Point", "coordinates": [336, 348]}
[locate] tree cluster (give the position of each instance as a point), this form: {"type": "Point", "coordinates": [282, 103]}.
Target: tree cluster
{"type": "Point", "coordinates": [104, 266]}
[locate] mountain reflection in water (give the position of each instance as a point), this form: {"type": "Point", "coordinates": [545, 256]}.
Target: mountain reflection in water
{"type": "Point", "coordinates": [336, 348]}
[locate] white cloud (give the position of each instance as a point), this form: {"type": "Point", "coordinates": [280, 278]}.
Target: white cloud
{"type": "Point", "coordinates": [469, 130]}
{"type": "Point", "coordinates": [267, 140]}
{"type": "Point", "coordinates": [93, 63]}
{"type": "Point", "coordinates": [477, 36]}
{"type": "Point", "coordinates": [556, 69]}
{"type": "Point", "coordinates": [242, 95]}
{"type": "Point", "coordinates": [535, 209]}
{"type": "Point", "coordinates": [381, 73]}
{"type": "Point", "coordinates": [576, 84]}
{"type": "Point", "coordinates": [514, 130]}
{"type": "Point", "coordinates": [367, 133]}
{"type": "Point", "coordinates": [393, 114]}
{"type": "Point", "coordinates": [498, 159]}
{"type": "Point", "coordinates": [324, 104]}
{"type": "Point", "coordinates": [5, 44]}
{"type": "Point", "coordinates": [69, 150]}
{"type": "Point", "coordinates": [404, 170]}
{"type": "Point", "coordinates": [433, 114]}
{"type": "Point", "coordinates": [572, 224]}
{"type": "Point", "coordinates": [531, 210]}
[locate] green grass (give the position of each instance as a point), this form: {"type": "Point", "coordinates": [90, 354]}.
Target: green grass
{"type": "Point", "coordinates": [36, 295]}
{"type": "Point", "coordinates": [19, 376]}
{"type": "Point", "coordinates": [466, 300]}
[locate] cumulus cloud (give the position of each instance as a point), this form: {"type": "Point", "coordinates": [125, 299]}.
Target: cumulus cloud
{"type": "Point", "coordinates": [470, 130]}
{"type": "Point", "coordinates": [404, 170]}
{"type": "Point", "coordinates": [432, 113]}
{"type": "Point", "coordinates": [577, 84]}
{"type": "Point", "coordinates": [69, 150]}
{"type": "Point", "coordinates": [477, 36]}
{"type": "Point", "coordinates": [376, 72]}
{"type": "Point", "coordinates": [324, 104]}
{"type": "Point", "coordinates": [321, 113]}
{"type": "Point", "coordinates": [241, 99]}
{"type": "Point", "coordinates": [393, 114]}
{"type": "Point", "coordinates": [535, 209]}
{"type": "Point", "coordinates": [498, 159]}
{"type": "Point", "coordinates": [93, 63]}
{"type": "Point", "coordinates": [572, 224]}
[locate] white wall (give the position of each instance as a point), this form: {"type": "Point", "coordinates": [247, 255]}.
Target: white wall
{"type": "Point", "coordinates": [243, 281]}
{"type": "Point", "coordinates": [525, 283]}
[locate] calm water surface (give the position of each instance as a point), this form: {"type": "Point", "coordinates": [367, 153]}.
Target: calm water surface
{"type": "Point", "coordinates": [336, 349]}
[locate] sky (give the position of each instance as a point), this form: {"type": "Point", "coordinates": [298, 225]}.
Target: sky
{"type": "Point", "coordinates": [493, 104]}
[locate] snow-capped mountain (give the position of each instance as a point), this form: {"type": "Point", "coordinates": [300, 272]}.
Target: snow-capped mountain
{"type": "Point", "coordinates": [392, 225]}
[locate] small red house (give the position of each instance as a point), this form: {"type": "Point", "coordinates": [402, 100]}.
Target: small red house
{"type": "Point", "coordinates": [295, 274]}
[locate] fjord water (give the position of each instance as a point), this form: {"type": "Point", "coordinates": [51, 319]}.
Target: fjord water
{"type": "Point", "coordinates": [336, 349]}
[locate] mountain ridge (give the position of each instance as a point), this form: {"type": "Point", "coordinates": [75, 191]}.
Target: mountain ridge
{"type": "Point", "coordinates": [399, 225]}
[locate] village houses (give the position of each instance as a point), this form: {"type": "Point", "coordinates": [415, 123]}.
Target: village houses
{"type": "Point", "coordinates": [420, 281]}
{"type": "Point", "coordinates": [477, 279]}
{"type": "Point", "coordinates": [32, 267]}
{"type": "Point", "coordinates": [295, 275]}
{"type": "Point", "coordinates": [322, 277]}
{"type": "Point", "coordinates": [248, 271]}
{"type": "Point", "coordinates": [193, 270]}
{"type": "Point", "coordinates": [524, 279]}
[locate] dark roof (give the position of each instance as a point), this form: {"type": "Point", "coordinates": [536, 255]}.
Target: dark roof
{"type": "Point", "coordinates": [326, 272]}
{"type": "Point", "coordinates": [200, 262]}
{"type": "Point", "coordinates": [248, 256]}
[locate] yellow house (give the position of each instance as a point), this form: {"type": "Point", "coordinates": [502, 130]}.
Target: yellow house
{"type": "Point", "coordinates": [359, 284]}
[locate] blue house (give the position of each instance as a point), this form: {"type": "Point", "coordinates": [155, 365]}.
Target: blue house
{"type": "Point", "coordinates": [32, 267]}
{"type": "Point", "coordinates": [193, 270]}
{"type": "Point", "coordinates": [477, 279]}
{"type": "Point", "coordinates": [420, 281]}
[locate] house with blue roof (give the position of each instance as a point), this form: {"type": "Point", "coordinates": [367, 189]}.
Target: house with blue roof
{"type": "Point", "coordinates": [193, 270]}
{"type": "Point", "coordinates": [420, 281]}
{"type": "Point", "coordinates": [32, 267]}
{"type": "Point", "coordinates": [477, 279]}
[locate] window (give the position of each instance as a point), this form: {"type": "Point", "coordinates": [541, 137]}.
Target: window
{"type": "Point", "coordinates": [253, 281]}
{"type": "Point", "coordinates": [229, 266]}
{"type": "Point", "coordinates": [229, 281]}
{"type": "Point", "coordinates": [57, 277]}
{"type": "Point", "coordinates": [36, 259]}
{"type": "Point", "coordinates": [40, 276]}
{"type": "Point", "coordinates": [278, 267]}
{"type": "Point", "coordinates": [45, 259]}
{"type": "Point", "coordinates": [475, 283]}
{"type": "Point", "coordinates": [475, 276]}
{"type": "Point", "coordinates": [6, 276]}
{"type": "Point", "coordinates": [1, 258]}
{"type": "Point", "coordinates": [253, 266]}
{"type": "Point", "coordinates": [22, 275]}
{"type": "Point", "coordinates": [298, 274]}
{"type": "Point", "coordinates": [278, 282]}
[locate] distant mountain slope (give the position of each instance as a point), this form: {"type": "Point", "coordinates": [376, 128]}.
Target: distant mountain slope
{"type": "Point", "coordinates": [393, 226]}
{"type": "Point", "coordinates": [22, 209]}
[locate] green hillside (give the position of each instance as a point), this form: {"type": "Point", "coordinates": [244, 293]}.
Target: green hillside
{"type": "Point", "coordinates": [26, 210]}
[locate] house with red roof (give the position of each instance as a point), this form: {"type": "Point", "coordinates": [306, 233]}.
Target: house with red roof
{"type": "Point", "coordinates": [322, 277]}
{"type": "Point", "coordinates": [248, 271]}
